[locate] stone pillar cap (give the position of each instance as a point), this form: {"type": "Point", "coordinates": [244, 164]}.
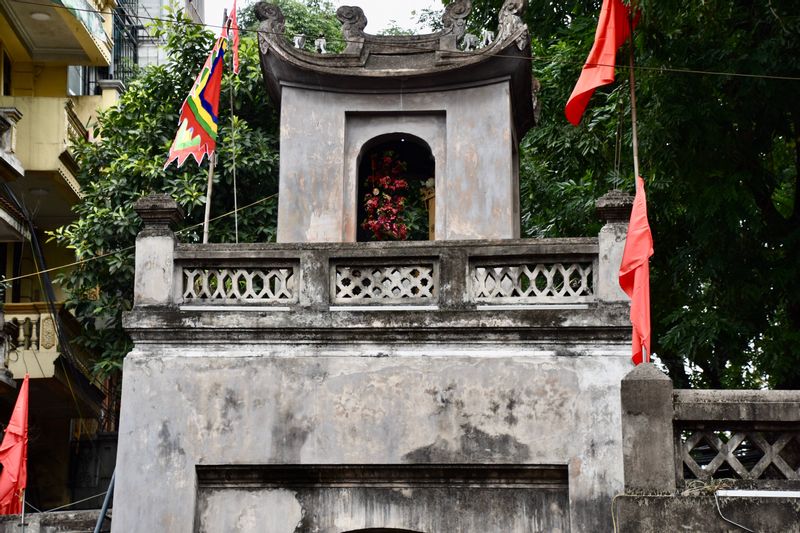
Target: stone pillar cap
{"type": "Point", "coordinates": [117, 85]}
{"type": "Point", "coordinates": [646, 372]}
{"type": "Point", "coordinates": [158, 211]}
{"type": "Point", "coordinates": [614, 206]}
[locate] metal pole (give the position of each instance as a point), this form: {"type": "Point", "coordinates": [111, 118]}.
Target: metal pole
{"type": "Point", "coordinates": [22, 521]}
{"type": "Point", "coordinates": [212, 158]}
{"type": "Point", "coordinates": [106, 502]}
{"type": "Point", "coordinates": [634, 129]}
{"type": "Point", "coordinates": [233, 152]}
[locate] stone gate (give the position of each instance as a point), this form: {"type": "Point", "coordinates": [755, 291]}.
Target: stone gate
{"type": "Point", "coordinates": [467, 383]}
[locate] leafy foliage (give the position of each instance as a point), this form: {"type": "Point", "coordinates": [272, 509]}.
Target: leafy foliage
{"type": "Point", "coordinates": [312, 18]}
{"type": "Point", "coordinates": [720, 155]}
{"type": "Point", "coordinates": [126, 162]}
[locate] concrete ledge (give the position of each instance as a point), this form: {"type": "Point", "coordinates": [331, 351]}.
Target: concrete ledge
{"type": "Point", "coordinates": [656, 514]}
{"type": "Point", "coordinates": [69, 521]}
{"type": "Point", "coordinates": [737, 405]}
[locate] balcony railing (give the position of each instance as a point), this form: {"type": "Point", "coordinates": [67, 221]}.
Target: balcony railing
{"type": "Point", "coordinates": [515, 274]}
{"type": "Point", "coordinates": [753, 436]}
{"type": "Point", "coordinates": [680, 438]}
{"type": "Point", "coordinates": [542, 290]}
{"type": "Point", "coordinates": [36, 347]}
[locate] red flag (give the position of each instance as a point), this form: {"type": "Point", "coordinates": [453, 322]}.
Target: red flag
{"type": "Point", "coordinates": [634, 273]}
{"type": "Point", "coordinates": [234, 26]}
{"type": "Point", "coordinates": [14, 455]}
{"type": "Point", "coordinates": [613, 29]}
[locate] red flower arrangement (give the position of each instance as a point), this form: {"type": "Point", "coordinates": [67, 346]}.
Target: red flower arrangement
{"type": "Point", "coordinates": [385, 200]}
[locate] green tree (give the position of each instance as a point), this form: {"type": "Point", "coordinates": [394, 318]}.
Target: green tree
{"type": "Point", "coordinates": [720, 155]}
{"type": "Point", "coordinates": [127, 161]}
{"type": "Point", "coordinates": [312, 18]}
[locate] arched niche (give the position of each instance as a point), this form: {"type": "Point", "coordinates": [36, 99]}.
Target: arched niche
{"type": "Point", "coordinates": [406, 160]}
{"type": "Point", "coordinates": [364, 130]}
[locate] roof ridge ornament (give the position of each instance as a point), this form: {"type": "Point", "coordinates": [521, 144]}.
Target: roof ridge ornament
{"type": "Point", "coordinates": [353, 23]}
{"type": "Point", "coordinates": [272, 25]}
{"type": "Point", "coordinates": [510, 22]}
{"type": "Point", "coordinates": [454, 24]}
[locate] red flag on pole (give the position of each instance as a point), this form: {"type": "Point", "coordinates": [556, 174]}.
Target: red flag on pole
{"type": "Point", "coordinates": [234, 26]}
{"type": "Point", "coordinates": [14, 455]}
{"type": "Point", "coordinates": [613, 29]}
{"type": "Point", "coordinates": [634, 274]}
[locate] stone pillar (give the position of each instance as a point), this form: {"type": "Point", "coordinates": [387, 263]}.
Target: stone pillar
{"type": "Point", "coordinates": [155, 250]}
{"type": "Point", "coordinates": [615, 209]}
{"type": "Point", "coordinates": [648, 447]}
{"type": "Point", "coordinates": [110, 91]}
{"type": "Point", "coordinates": [7, 329]}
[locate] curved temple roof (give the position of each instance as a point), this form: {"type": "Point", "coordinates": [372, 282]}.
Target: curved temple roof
{"type": "Point", "coordinates": [406, 63]}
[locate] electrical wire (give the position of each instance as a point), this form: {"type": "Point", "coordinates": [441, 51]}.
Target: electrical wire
{"type": "Point", "coordinates": [659, 69]}
{"type": "Point", "coordinates": [128, 248]}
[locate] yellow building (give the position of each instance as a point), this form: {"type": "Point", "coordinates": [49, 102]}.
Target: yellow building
{"type": "Point", "coordinates": [53, 56]}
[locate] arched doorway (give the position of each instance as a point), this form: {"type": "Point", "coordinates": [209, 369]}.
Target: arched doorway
{"type": "Point", "coordinates": [396, 189]}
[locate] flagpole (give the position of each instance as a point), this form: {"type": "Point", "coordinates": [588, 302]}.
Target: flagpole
{"type": "Point", "coordinates": [211, 160]}
{"type": "Point", "coordinates": [634, 127]}
{"type": "Point", "coordinates": [233, 153]}
{"type": "Point", "coordinates": [22, 522]}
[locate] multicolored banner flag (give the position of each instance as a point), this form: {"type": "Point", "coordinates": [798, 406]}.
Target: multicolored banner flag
{"type": "Point", "coordinates": [197, 130]}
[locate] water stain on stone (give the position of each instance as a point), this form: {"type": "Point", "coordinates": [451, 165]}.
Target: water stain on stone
{"type": "Point", "coordinates": [168, 446]}
{"type": "Point", "coordinates": [288, 437]}
{"type": "Point", "coordinates": [474, 445]}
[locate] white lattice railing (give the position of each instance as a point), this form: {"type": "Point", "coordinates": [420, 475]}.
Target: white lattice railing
{"type": "Point", "coordinates": [262, 285]}
{"type": "Point", "coordinates": [384, 284]}
{"type": "Point", "coordinates": [532, 282]}
{"type": "Point", "coordinates": [749, 455]}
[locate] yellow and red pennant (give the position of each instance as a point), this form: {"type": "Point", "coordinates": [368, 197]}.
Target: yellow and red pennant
{"type": "Point", "coordinates": [197, 130]}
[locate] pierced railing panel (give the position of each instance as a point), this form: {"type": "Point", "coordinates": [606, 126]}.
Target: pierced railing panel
{"type": "Point", "coordinates": [751, 455]}
{"type": "Point", "coordinates": [262, 285]}
{"type": "Point", "coordinates": [385, 284]}
{"type": "Point", "coordinates": [531, 282]}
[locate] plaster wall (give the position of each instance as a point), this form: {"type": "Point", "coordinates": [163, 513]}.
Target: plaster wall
{"type": "Point", "coordinates": [185, 405]}
{"type": "Point", "coordinates": [468, 129]}
{"type": "Point", "coordinates": [342, 509]}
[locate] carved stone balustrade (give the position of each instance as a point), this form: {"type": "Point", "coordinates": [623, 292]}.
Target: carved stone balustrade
{"type": "Point", "coordinates": [750, 438]}
{"type": "Point", "coordinates": [35, 346]}
{"type": "Point", "coordinates": [544, 288]}
{"type": "Point", "coordinates": [549, 284]}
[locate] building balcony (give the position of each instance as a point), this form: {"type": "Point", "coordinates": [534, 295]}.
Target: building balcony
{"type": "Point", "coordinates": [523, 288]}
{"type": "Point", "coordinates": [58, 32]}
{"type": "Point", "coordinates": [35, 348]}
{"type": "Point", "coordinates": [42, 137]}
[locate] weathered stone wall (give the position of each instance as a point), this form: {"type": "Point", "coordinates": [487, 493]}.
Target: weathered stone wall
{"type": "Point", "coordinates": [55, 522]}
{"type": "Point", "coordinates": [468, 129]}
{"type": "Point", "coordinates": [186, 405]}
{"type": "Point", "coordinates": [263, 355]}
{"type": "Point", "coordinates": [656, 514]}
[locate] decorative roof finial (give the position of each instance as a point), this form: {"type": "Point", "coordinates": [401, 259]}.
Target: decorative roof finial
{"type": "Point", "coordinates": [272, 24]}
{"type": "Point", "coordinates": [353, 23]}
{"type": "Point", "coordinates": [454, 23]}
{"type": "Point", "coordinates": [510, 22]}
